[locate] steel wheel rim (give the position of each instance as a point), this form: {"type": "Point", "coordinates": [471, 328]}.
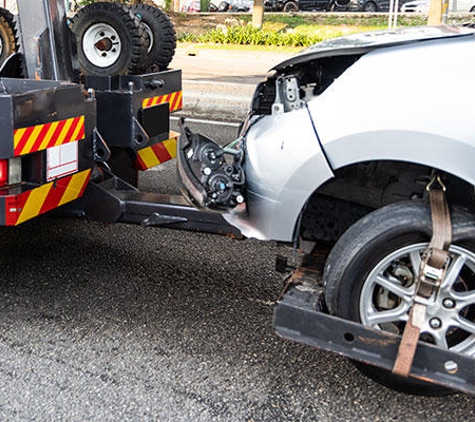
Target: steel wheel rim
{"type": "Point", "coordinates": [102, 45]}
{"type": "Point", "coordinates": [149, 33]}
{"type": "Point", "coordinates": [387, 291]}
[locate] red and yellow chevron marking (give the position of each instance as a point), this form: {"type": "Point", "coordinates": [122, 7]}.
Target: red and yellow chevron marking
{"type": "Point", "coordinates": [22, 207]}
{"type": "Point", "coordinates": [36, 138]}
{"type": "Point", "coordinates": [175, 101]}
{"type": "Point", "coordinates": [157, 154]}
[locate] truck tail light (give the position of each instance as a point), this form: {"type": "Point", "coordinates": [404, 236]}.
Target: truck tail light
{"type": "Point", "coordinates": [10, 172]}
{"type": "Point", "coordinates": [3, 172]}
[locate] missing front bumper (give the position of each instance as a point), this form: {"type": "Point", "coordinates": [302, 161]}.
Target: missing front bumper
{"type": "Point", "coordinates": [211, 175]}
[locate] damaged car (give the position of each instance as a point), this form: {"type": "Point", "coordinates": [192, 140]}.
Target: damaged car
{"type": "Point", "coordinates": [340, 151]}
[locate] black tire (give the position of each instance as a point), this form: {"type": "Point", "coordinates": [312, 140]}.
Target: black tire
{"type": "Point", "coordinates": [363, 253]}
{"type": "Point", "coordinates": [162, 37]}
{"type": "Point", "coordinates": [123, 45]}
{"type": "Point", "coordinates": [291, 7]}
{"type": "Point", "coordinates": [223, 6]}
{"type": "Point", "coordinates": [370, 7]}
{"type": "Point", "coordinates": [8, 44]}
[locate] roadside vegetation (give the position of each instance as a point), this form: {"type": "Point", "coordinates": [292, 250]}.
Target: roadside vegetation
{"type": "Point", "coordinates": [285, 30]}
{"type": "Point", "coordinates": [278, 30]}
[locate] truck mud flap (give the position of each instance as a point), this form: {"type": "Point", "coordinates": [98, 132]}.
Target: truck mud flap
{"type": "Point", "coordinates": [300, 316]}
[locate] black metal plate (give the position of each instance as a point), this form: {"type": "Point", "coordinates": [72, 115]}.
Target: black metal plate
{"type": "Point", "coordinates": [156, 120]}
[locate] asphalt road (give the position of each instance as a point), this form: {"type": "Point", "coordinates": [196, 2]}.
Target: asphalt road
{"type": "Point", "coordinates": [123, 323]}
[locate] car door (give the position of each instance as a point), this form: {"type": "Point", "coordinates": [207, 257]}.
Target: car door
{"type": "Point", "coordinates": [313, 4]}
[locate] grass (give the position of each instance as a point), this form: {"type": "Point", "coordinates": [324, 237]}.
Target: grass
{"type": "Point", "coordinates": [289, 31]}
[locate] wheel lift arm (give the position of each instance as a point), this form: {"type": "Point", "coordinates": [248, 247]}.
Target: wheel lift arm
{"type": "Point", "coordinates": [300, 316]}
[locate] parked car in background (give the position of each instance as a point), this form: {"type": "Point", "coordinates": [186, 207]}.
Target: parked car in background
{"type": "Point", "coordinates": [190, 6]}
{"type": "Point", "coordinates": [290, 6]}
{"type": "Point", "coordinates": [231, 6]}
{"type": "Point", "coordinates": [422, 6]}
{"type": "Point", "coordinates": [417, 6]}
{"type": "Point", "coordinates": [373, 6]}
{"type": "Point", "coordinates": [240, 5]}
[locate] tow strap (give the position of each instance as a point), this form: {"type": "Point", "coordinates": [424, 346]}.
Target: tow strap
{"type": "Point", "coordinates": [431, 273]}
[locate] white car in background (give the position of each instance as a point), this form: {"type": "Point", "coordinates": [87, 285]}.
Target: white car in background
{"type": "Point", "coordinates": [417, 6]}
{"type": "Point", "coordinates": [422, 6]}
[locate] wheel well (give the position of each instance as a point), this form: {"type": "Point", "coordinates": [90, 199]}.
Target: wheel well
{"type": "Point", "coordinates": [360, 188]}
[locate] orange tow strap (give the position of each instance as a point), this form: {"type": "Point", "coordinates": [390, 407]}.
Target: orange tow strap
{"type": "Point", "coordinates": [431, 274]}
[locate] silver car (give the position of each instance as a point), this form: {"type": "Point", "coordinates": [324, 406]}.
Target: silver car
{"type": "Point", "coordinates": [340, 145]}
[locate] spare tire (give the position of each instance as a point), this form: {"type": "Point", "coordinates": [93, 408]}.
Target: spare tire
{"type": "Point", "coordinates": [7, 35]}
{"type": "Point", "coordinates": [110, 40]}
{"type": "Point", "coordinates": [161, 35]}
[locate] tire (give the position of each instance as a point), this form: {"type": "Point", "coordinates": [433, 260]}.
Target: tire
{"type": "Point", "coordinates": [291, 7]}
{"type": "Point", "coordinates": [8, 44]}
{"type": "Point", "coordinates": [370, 7]}
{"type": "Point", "coordinates": [223, 6]}
{"type": "Point", "coordinates": [161, 35]}
{"type": "Point", "coordinates": [110, 40]}
{"type": "Point", "coordinates": [385, 247]}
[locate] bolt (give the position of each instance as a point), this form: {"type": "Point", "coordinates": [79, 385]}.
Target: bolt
{"type": "Point", "coordinates": [451, 367]}
{"type": "Point", "coordinates": [435, 323]}
{"type": "Point", "coordinates": [448, 303]}
{"type": "Point", "coordinates": [206, 171]}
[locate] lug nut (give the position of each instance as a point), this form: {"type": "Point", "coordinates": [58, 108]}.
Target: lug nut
{"type": "Point", "coordinates": [448, 303]}
{"type": "Point", "coordinates": [435, 323]}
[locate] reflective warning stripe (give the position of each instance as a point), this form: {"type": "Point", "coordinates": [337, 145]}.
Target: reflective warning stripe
{"type": "Point", "coordinates": [175, 101]}
{"type": "Point", "coordinates": [37, 138]}
{"type": "Point", "coordinates": [26, 205]}
{"type": "Point", "coordinates": [157, 154]}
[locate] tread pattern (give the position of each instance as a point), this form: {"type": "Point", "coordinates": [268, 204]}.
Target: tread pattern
{"type": "Point", "coordinates": [164, 44]}
{"type": "Point", "coordinates": [138, 37]}
{"type": "Point", "coordinates": [8, 34]}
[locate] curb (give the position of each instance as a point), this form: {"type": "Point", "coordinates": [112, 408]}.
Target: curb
{"type": "Point", "coordinates": [216, 100]}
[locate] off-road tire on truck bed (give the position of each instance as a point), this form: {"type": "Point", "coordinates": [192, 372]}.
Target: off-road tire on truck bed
{"type": "Point", "coordinates": [382, 249]}
{"type": "Point", "coordinates": [8, 44]}
{"type": "Point", "coordinates": [162, 37]}
{"type": "Point", "coordinates": [110, 39]}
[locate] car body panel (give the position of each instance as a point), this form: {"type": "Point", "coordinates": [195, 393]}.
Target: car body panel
{"type": "Point", "coordinates": [422, 6]}
{"type": "Point", "coordinates": [375, 5]}
{"type": "Point", "coordinates": [390, 125]}
{"type": "Point", "coordinates": [381, 122]}
{"type": "Point", "coordinates": [278, 185]}
{"type": "Point", "coordinates": [368, 41]}
{"type": "Point", "coordinates": [401, 97]}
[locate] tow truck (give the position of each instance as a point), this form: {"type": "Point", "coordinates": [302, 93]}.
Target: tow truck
{"type": "Point", "coordinates": [85, 104]}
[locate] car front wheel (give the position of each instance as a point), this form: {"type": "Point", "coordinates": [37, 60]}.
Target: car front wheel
{"type": "Point", "coordinates": [370, 7]}
{"type": "Point", "coordinates": [291, 7]}
{"type": "Point", "coordinates": [370, 277]}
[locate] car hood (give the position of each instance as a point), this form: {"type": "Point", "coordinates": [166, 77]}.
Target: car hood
{"type": "Point", "coordinates": [364, 42]}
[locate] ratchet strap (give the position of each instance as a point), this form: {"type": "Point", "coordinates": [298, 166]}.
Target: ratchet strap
{"type": "Point", "coordinates": [431, 274]}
